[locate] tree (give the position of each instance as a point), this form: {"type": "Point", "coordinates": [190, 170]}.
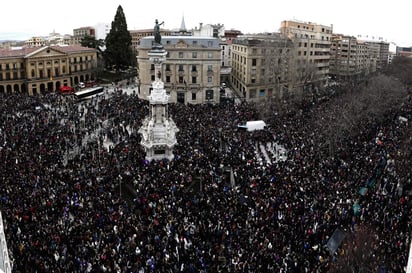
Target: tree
{"type": "Point", "coordinates": [401, 68]}
{"type": "Point", "coordinates": [92, 42]}
{"type": "Point", "coordinates": [344, 116]}
{"type": "Point", "coordinates": [118, 51]}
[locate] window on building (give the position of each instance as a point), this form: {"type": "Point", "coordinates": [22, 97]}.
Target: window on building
{"type": "Point", "coordinates": [167, 67]}
{"type": "Point", "coordinates": [181, 80]}
{"type": "Point", "coordinates": [41, 73]}
{"type": "Point", "coordinates": [168, 79]}
{"type": "Point", "coordinates": [180, 55]}
{"type": "Point", "coordinates": [252, 93]}
{"type": "Point", "coordinates": [152, 67]}
{"type": "Point", "coordinates": [254, 61]}
{"type": "Point", "coordinates": [209, 68]}
{"type": "Point", "coordinates": [153, 78]}
{"type": "Point", "coordinates": [262, 93]}
{"type": "Point", "coordinates": [209, 43]}
{"type": "Point", "coordinates": [193, 95]}
{"type": "Point", "coordinates": [209, 94]}
{"type": "Point", "coordinates": [194, 68]}
{"type": "Point", "coordinates": [194, 79]}
{"type": "Point", "coordinates": [194, 54]}
{"type": "Point", "coordinates": [194, 42]}
{"type": "Point", "coordinates": [15, 76]}
{"type": "Point", "coordinates": [209, 79]}
{"type": "Point", "coordinates": [210, 55]}
{"type": "Point", "coordinates": [32, 73]}
{"type": "Point", "coordinates": [180, 67]}
{"type": "Point", "coordinates": [7, 75]}
{"type": "Point", "coordinates": [253, 80]}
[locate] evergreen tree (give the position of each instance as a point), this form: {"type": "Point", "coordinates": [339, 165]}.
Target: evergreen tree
{"type": "Point", "coordinates": [92, 42]}
{"type": "Point", "coordinates": [118, 43]}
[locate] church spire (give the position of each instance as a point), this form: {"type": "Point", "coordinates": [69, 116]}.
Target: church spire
{"type": "Point", "coordinates": [183, 25]}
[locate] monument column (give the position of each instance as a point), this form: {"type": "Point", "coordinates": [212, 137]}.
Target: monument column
{"type": "Point", "coordinates": [158, 129]}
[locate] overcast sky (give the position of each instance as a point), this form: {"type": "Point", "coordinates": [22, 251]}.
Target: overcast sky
{"type": "Point", "coordinates": [389, 20]}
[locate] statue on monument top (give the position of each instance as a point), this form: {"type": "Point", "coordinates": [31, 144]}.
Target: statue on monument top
{"type": "Point", "coordinates": [157, 36]}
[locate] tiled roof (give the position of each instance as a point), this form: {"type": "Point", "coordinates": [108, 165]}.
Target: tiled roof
{"type": "Point", "coordinates": [24, 51]}
{"type": "Point", "coordinates": [15, 53]}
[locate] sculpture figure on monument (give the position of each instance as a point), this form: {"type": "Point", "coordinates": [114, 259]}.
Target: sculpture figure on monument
{"type": "Point", "coordinates": [157, 36]}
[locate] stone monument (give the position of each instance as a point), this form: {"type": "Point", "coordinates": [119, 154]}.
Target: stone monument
{"type": "Point", "coordinates": [158, 130]}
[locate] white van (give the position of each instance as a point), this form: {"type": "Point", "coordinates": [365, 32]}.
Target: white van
{"type": "Point", "coordinates": [253, 125]}
{"type": "Point", "coordinates": [82, 85]}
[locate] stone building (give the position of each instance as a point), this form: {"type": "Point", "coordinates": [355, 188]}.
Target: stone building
{"type": "Point", "coordinates": [191, 72]}
{"type": "Point", "coordinates": [312, 43]}
{"type": "Point", "coordinates": [261, 66]}
{"type": "Point", "coordinates": [80, 33]}
{"type": "Point", "coordinates": [350, 58]}
{"type": "Point", "coordinates": [141, 33]}
{"type": "Point", "coordinates": [38, 70]}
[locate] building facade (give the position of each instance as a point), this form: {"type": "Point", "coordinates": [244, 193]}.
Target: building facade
{"type": "Point", "coordinates": [141, 33]}
{"type": "Point", "coordinates": [312, 43]}
{"type": "Point", "coordinates": [191, 72]}
{"type": "Point", "coordinates": [80, 33]}
{"type": "Point", "coordinates": [209, 30]}
{"type": "Point", "coordinates": [35, 42]}
{"type": "Point", "coordinates": [38, 70]}
{"type": "Point", "coordinates": [350, 58]}
{"type": "Point", "coordinates": [260, 66]}
{"type": "Point", "coordinates": [378, 51]}
{"type": "Point", "coordinates": [404, 51]}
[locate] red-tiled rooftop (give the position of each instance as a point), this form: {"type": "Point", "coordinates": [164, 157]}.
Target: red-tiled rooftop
{"type": "Point", "coordinates": [23, 51]}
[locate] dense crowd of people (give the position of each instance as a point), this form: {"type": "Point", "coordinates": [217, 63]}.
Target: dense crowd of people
{"type": "Point", "coordinates": [70, 204]}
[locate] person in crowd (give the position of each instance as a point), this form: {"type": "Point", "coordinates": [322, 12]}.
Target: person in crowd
{"type": "Point", "coordinates": [78, 196]}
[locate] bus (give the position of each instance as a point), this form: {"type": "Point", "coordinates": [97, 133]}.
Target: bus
{"type": "Point", "coordinates": [88, 93]}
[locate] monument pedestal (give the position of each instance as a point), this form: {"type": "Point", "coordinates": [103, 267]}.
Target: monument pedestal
{"type": "Point", "coordinates": [158, 129]}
